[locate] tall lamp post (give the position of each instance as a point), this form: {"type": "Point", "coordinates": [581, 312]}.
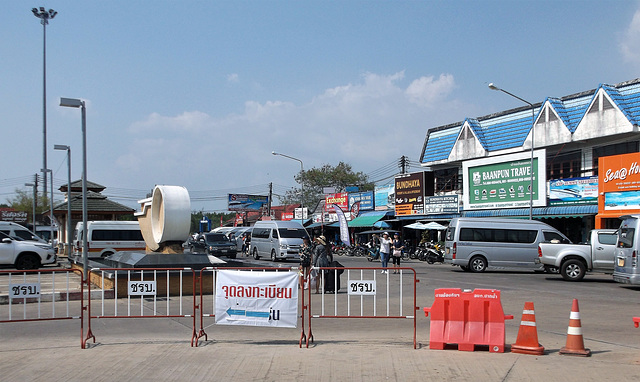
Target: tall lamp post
{"type": "Point", "coordinates": [73, 102]}
{"type": "Point", "coordinates": [301, 183]}
{"type": "Point", "coordinates": [533, 125]}
{"type": "Point", "coordinates": [68, 149]}
{"type": "Point", "coordinates": [44, 17]}
{"type": "Point", "coordinates": [35, 195]}
{"type": "Point", "coordinates": [48, 170]}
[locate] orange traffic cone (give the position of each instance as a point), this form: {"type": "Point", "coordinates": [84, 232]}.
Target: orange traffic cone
{"type": "Point", "coordinates": [527, 341]}
{"type": "Point", "coordinates": [575, 342]}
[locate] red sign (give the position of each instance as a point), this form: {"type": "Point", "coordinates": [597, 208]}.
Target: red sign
{"type": "Point", "coordinates": [287, 216]}
{"type": "Point", "coordinates": [341, 199]}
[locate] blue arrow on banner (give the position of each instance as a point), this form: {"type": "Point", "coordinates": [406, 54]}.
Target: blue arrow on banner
{"type": "Point", "coordinates": [247, 313]}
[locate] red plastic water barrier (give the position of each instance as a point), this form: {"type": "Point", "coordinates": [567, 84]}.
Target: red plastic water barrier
{"type": "Point", "coordinates": [467, 318]}
{"type": "Point", "coordinates": [636, 321]}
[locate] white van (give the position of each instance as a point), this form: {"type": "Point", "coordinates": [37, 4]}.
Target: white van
{"type": "Point", "coordinates": [625, 268]}
{"type": "Point", "coordinates": [19, 232]}
{"type": "Point", "coordinates": [107, 237]}
{"type": "Point", "coordinates": [280, 240]}
{"type": "Point", "coordinates": [477, 243]}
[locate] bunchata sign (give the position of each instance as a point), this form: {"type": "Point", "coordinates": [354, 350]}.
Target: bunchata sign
{"type": "Point", "coordinates": [257, 298]}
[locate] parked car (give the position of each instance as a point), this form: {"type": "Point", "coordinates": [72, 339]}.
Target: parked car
{"type": "Point", "coordinates": [574, 260]}
{"type": "Point", "coordinates": [25, 254]}
{"type": "Point", "coordinates": [280, 240]}
{"type": "Point", "coordinates": [218, 244]}
{"type": "Point", "coordinates": [626, 268]}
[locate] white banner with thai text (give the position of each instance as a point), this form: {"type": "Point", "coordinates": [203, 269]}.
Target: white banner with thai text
{"type": "Point", "coordinates": [257, 298]}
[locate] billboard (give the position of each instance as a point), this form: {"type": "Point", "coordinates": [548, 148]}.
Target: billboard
{"type": "Point", "coordinates": [340, 199]}
{"type": "Point", "coordinates": [572, 191]}
{"type": "Point", "coordinates": [242, 202]}
{"type": "Point", "coordinates": [365, 198]}
{"type": "Point", "coordinates": [619, 181]}
{"type": "Point", "coordinates": [409, 197]}
{"type": "Point", "coordinates": [504, 181]}
{"type": "Point", "coordinates": [447, 204]}
{"type": "Point", "coordinates": [383, 198]}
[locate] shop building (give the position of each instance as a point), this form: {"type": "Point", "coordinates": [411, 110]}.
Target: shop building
{"type": "Point", "coordinates": [545, 160]}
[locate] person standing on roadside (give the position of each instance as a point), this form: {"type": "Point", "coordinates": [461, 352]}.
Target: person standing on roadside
{"type": "Point", "coordinates": [321, 256]}
{"type": "Point", "coordinates": [306, 254]}
{"type": "Point", "coordinates": [385, 248]}
{"type": "Point", "coordinates": [397, 252]}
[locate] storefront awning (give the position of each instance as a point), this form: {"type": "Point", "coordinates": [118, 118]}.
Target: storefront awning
{"type": "Point", "coordinates": [538, 212]}
{"type": "Point", "coordinates": [367, 219]}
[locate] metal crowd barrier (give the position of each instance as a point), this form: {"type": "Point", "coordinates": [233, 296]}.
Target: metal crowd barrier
{"type": "Point", "coordinates": [42, 295]}
{"type": "Point", "coordinates": [143, 293]}
{"type": "Point", "coordinates": [366, 294]}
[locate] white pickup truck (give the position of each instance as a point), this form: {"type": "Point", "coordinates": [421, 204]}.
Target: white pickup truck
{"type": "Point", "coordinates": [574, 260]}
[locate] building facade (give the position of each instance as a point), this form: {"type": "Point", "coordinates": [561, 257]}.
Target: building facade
{"type": "Point", "coordinates": [541, 160]}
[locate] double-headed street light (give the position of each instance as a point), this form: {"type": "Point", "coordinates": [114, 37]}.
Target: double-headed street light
{"type": "Point", "coordinates": [68, 149]}
{"type": "Point", "coordinates": [73, 102]}
{"type": "Point", "coordinates": [533, 125]}
{"type": "Point", "coordinates": [301, 182]}
{"type": "Point", "coordinates": [44, 17]}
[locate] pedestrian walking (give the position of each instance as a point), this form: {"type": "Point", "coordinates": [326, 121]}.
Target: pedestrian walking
{"type": "Point", "coordinates": [397, 252]}
{"type": "Point", "coordinates": [385, 249]}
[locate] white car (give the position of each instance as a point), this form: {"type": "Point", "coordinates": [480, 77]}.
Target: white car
{"type": "Point", "coordinates": [25, 254]}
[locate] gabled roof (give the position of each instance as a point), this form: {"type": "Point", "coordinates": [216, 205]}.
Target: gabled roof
{"type": "Point", "coordinates": [96, 202]}
{"type": "Point", "coordinates": [509, 129]}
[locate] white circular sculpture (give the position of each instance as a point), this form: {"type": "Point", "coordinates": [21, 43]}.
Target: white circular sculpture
{"type": "Point", "coordinates": [165, 217]}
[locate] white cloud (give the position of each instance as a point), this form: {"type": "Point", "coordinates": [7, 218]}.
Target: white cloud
{"type": "Point", "coordinates": [630, 44]}
{"type": "Point", "coordinates": [366, 124]}
{"type": "Point", "coordinates": [233, 77]}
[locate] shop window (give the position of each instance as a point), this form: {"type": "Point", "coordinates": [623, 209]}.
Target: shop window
{"type": "Point", "coordinates": [447, 180]}
{"type": "Point", "coordinates": [617, 149]}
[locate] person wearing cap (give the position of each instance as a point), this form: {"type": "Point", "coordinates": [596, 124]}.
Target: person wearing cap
{"type": "Point", "coordinates": [385, 248]}
{"type": "Point", "coordinates": [320, 257]}
{"type": "Point", "coordinates": [397, 252]}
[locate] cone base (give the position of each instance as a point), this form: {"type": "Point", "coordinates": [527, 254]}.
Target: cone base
{"type": "Point", "coordinates": [533, 350]}
{"type": "Point", "coordinates": [576, 352]}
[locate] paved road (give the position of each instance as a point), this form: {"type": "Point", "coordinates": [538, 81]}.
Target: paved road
{"type": "Point", "coordinates": [353, 349]}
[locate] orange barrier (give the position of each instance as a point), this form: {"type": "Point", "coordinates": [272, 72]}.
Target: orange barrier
{"type": "Point", "coordinates": [467, 318]}
{"type": "Point", "coordinates": [575, 342]}
{"type": "Point", "coordinates": [527, 341]}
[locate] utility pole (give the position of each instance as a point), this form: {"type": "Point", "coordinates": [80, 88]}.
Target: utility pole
{"type": "Point", "coordinates": [269, 201]}
{"type": "Point", "coordinates": [403, 164]}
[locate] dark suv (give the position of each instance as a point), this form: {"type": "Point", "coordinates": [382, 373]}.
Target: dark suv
{"type": "Point", "coordinates": [217, 244]}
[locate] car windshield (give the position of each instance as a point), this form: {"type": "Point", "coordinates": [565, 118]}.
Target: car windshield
{"type": "Point", "coordinates": [216, 237]}
{"type": "Point", "coordinates": [292, 233]}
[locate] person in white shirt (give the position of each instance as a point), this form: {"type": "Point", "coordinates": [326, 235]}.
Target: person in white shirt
{"type": "Point", "coordinates": [385, 249]}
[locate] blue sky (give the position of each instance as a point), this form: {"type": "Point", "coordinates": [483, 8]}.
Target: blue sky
{"type": "Point", "coordinates": [198, 93]}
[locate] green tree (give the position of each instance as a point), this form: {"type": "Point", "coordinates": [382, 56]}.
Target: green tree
{"type": "Point", "coordinates": [314, 180]}
{"type": "Point", "coordinates": [23, 201]}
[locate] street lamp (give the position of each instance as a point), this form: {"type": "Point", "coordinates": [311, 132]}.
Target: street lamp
{"type": "Point", "coordinates": [533, 126]}
{"type": "Point", "coordinates": [68, 149]}
{"type": "Point", "coordinates": [35, 195]}
{"type": "Point", "coordinates": [73, 102]}
{"type": "Point", "coordinates": [301, 182]}
{"type": "Point", "coordinates": [48, 170]}
{"type": "Point", "coordinates": [44, 17]}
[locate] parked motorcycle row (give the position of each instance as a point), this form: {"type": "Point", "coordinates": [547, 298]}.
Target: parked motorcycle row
{"type": "Point", "coordinates": [430, 252]}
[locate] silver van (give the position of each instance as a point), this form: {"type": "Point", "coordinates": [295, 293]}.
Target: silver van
{"type": "Point", "coordinates": [280, 240]}
{"type": "Point", "coordinates": [477, 243]}
{"type": "Point", "coordinates": [625, 268]}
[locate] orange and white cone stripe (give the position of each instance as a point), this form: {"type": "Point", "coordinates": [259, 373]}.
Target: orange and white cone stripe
{"type": "Point", "coordinates": [575, 341]}
{"type": "Point", "coordinates": [527, 341]}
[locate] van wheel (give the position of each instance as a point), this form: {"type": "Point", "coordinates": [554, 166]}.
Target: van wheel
{"type": "Point", "coordinates": [273, 255]}
{"type": "Point", "coordinates": [28, 261]}
{"type": "Point", "coordinates": [255, 253]}
{"type": "Point", "coordinates": [464, 268]}
{"type": "Point", "coordinates": [106, 254]}
{"type": "Point", "coordinates": [573, 270]}
{"type": "Point", "coordinates": [478, 264]}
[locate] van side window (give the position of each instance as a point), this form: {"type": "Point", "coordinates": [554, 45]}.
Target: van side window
{"type": "Point", "coordinates": [116, 235]}
{"type": "Point", "coordinates": [625, 237]}
{"type": "Point", "coordinates": [498, 235]}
